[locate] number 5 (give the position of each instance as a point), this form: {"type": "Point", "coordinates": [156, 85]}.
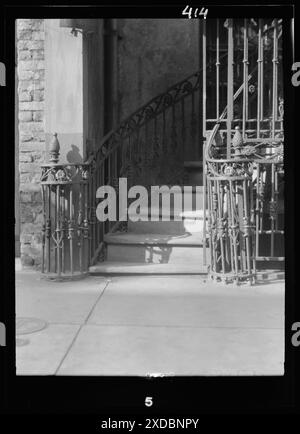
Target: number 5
{"type": "Point", "coordinates": [148, 401]}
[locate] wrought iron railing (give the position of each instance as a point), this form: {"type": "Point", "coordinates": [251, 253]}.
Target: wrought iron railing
{"type": "Point", "coordinates": [149, 148]}
{"type": "Point", "coordinates": [244, 204]}
{"type": "Point", "coordinates": [66, 233]}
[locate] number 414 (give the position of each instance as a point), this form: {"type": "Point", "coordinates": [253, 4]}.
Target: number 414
{"type": "Point", "coordinates": [194, 13]}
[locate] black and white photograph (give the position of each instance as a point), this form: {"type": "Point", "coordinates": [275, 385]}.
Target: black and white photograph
{"type": "Point", "coordinates": [150, 198]}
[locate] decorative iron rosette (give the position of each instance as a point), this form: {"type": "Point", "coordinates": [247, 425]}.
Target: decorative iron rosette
{"type": "Point", "coordinates": [61, 175]}
{"type": "Point", "coordinates": [248, 150]}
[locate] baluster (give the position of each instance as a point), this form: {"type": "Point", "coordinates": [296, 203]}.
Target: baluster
{"type": "Point", "coordinates": [62, 205]}
{"type": "Point", "coordinates": [79, 228]}
{"type": "Point", "coordinates": [214, 225]}
{"type": "Point", "coordinates": [55, 230]}
{"type": "Point", "coordinates": [85, 225]}
{"type": "Point", "coordinates": [43, 229]}
{"type": "Point", "coordinates": [230, 224]}
{"type": "Point", "coordinates": [229, 85]}
{"type": "Point", "coordinates": [48, 229]}
{"type": "Point", "coordinates": [58, 231]}
{"type": "Point", "coordinates": [218, 71]}
{"type": "Point", "coordinates": [245, 77]}
{"type": "Point", "coordinates": [272, 208]}
{"type": "Point", "coordinates": [220, 224]}
{"type": "Point", "coordinates": [275, 71]}
{"type": "Point", "coordinates": [203, 22]}
{"type": "Point", "coordinates": [71, 229]}
{"type": "Point", "coordinates": [235, 227]}
{"type": "Point", "coordinates": [259, 76]}
{"type": "Point", "coordinates": [247, 229]}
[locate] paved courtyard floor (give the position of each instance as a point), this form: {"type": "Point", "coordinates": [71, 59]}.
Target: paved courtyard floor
{"type": "Point", "coordinates": [139, 325]}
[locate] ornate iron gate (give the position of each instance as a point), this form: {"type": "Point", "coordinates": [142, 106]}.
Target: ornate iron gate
{"type": "Point", "coordinates": [244, 149]}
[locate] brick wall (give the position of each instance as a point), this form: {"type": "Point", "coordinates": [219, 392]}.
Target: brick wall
{"type": "Point", "coordinates": [31, 84]}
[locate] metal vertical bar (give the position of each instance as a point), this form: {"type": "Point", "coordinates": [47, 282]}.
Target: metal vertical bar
{"type": "Point", "coordinates": [220, 216]}
{"type": "Point", "coordinates": [48, 230]}
{"type": "Point", "coordinates": [71, 230]}
{"type": "Point", "coordinates": [213, 247]}
{"type": "Point", "coordinates": [247, 219]}
{"type": "Point", "coordinates": [204, 205]}
{"type": "Point", "coordinates": [231, 222]}
{"type": "Point", "coordinates": [234, 225]}
{"type": "Point", "coordinates": [204, 79]}
{"type": "Point", "coordinates": [209, 200]}
{"type": "Point", "coordinates": [275, 71]}
{"type": "Point", "coordinates": [80, 224]}
{"type": "Point", "coordinates": [229, 86]}
{"type": "Point", "coordinates": [63, 229]}
{"type": "Point", "coordinates": [262, 72]}
{"type": "Point", "coordinates": [257, 210]}
{"type": "Point", "coordinates": [245, 78]}
{"type": "Point", "coordinates": [203, 132]}
{"type": "Point", "coordinates": [259, 80]}
{"type": "Point", "coordinates": [272, 205]}
{"type": "Point", "coordinates": [58, 234]}
{"type": "Point", "coordinates": [55, 230]}
{"type": "Point", "coordinates": [218, 70]}
{"type": "Point", "coordinates": [43, 229]}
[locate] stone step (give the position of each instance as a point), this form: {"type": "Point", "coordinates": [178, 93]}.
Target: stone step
{"type": "Point", "coordinates": [154, 248]}
{"type": "Point", "coordinates": [191, 222]}
{"type": "Point", "coordinates": [167, 228]}
{"type": "Point", "coordinates": [131, 268]}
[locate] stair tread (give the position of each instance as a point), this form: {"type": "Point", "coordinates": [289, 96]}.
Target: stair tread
{"type": "Point", "coordinates": [111, 267]}
{"type": "Point", "coordinates": [187, 239]}
{"type": "Point", "coordinates": [190, 214]}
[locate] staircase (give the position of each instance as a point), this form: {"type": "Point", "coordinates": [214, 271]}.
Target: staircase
{"type": "Point", "coordinates": [159, 247]}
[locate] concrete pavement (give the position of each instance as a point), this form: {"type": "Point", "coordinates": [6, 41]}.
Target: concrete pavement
{"type": "Point", "coordinates": [136, 325]}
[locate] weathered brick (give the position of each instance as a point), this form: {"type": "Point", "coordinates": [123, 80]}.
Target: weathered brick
{"type": "Point", "coordinates": [31, 105]}
{"type": "Point", "coordinates": [26, 238]}
{"type": "Point", "coordinates": [27, 127]}
{"type": "Point", "coordinates": [39, 75]}
{"type": "Point", "coordinates": [38, 95]}
{"type": "Point", "coordinates": [29, 168]}
{"type": "Point", "coordinates": [31, 65]}
{"type": "Point", "coordinates": [38, 157]}
{"type": "Point", "coordinates": [26, 259]}
{"type": "Point", "coordinates": [26, 75]}
{"type": "Point", "coordinates": [37, 54]}
{"type": "Point", "coordinates": [24, 55]}
{"type": "Point", "coordinates": [31, 74]}
{"type": "Point", "coordinates": [38, 36]}
{"type": "Point", "coordinates": [30, 187]}
{"type": "Point", "coordinates": [25, 116]}
{"type": "Point", "coordinates": [25, 158]}
{"type": "Point", "coordinates": [31, 146]}
{"type": "Point", "coordinates": [30, 24]}
{"type": "Point", "coordinates": [24, 96]}
{"type": "Point", "coordinates": [38, 115]}
{"type": "Point", "coordinates": [24, 34]}
{"type": "Point", "coordinates": [29, 85]}
{"type": "Point", "coordinates": [30, 45]}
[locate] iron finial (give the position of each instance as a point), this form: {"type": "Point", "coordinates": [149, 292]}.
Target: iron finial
{"type": "Point", "coordinates": [54, 148]}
